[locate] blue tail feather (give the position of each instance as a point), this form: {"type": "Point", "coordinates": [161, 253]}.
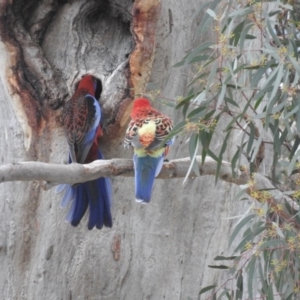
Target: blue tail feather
{"type": "Point", "coordinates": [99, 203]}
{"type": "Point", "coordinates": [61, 188]}
{"type": "Point", "coordinates": [96, 195]}
{"type": "Point", "coordinates": [68, 196]}
{"type": "Point", "coordinates": [146, 168]}
{"type": "Point", "coordinates": [79, 204]}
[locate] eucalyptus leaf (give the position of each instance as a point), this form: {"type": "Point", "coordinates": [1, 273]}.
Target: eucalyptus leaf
{"type": "Point", "coordinates": [239, 226]}
{"type": "Point", "coordinates": [251, 269]}
{"type": "Point", "coordinates": [207, 288]}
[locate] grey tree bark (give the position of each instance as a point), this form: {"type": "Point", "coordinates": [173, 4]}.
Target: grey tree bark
{"type": "Point", "coordinates": [158, 251]}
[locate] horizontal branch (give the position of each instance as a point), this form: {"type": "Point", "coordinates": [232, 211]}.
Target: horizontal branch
{"type": "Point", "coordinates": [176, 168]}
{"type": "Point", "coordinates": [75, 173]}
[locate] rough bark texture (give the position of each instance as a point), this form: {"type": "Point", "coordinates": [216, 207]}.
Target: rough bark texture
{"type": "Point", "coordinates": [158, 251]}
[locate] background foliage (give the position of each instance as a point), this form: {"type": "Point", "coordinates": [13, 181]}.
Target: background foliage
{"type": "Point", "coordinates": [247, 75]}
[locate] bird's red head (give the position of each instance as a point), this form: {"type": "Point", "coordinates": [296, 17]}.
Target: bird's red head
{"type": "Point", "coordinates": [141, 102]}
{"type": "Point", "coordinates": [140, 105]}
{"type": "Point", "coordinates": [88, 83]}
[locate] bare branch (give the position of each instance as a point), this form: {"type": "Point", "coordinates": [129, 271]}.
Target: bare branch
{"type": "Point", "coordinates": [177, 168]}
{"type": "Point", "coordinates": [74, 173]}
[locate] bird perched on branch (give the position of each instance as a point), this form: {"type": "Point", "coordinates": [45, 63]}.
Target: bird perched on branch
{"type": "Point", "coordinates": [82, 123]}
{"type": "Point", "coordinates": [145, 133]}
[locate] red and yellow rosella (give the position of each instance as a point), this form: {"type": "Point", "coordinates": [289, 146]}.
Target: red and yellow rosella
{"type": "Point", "coordinates": [82, 123]}
{"type": "Point", "coordinates": [146, 131]}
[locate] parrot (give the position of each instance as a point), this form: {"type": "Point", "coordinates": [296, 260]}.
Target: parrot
{"type": "Point", "coordinates": [146, 131]}
{"type": "Point", "coordinates": [81, 118]}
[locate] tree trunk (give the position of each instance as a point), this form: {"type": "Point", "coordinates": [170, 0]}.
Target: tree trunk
{"type": "Point", "coordinates": [158, 251]}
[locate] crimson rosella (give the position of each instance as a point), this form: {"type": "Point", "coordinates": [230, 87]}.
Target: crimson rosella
{"type": "Point", "coordinates": [81, 118]}
{"type": "Point", "coordinates": [146, 131]}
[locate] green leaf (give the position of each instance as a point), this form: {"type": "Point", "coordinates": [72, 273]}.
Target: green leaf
{"type": "Point", "coordinates": [222, 267]}
{"type": "Point", "coordinates": [220, 257]}
{"type": "Point", "coordinates": [293, 162]}
{"type": "Point", "coordinates": [273, 244]}
{"type": "Point", "coordinates": [212, 74]}
{"type": "Point", "coordinates": [200, 9]}
{"type": "Point", "coordinates": [298, 120]}
{"type": "Point", "coordinates": [239, 226]}
{"type": "Point", "coordinates": [231, 101]}
{"type": "Point", "coordinates": [239, 68]}
{"type": "Point", "coordinates": [179, 64]}
{"type": "Point", "coordinates": [262, 277]}
{"type": "Point", "coordinates": [220, 158]}
{"type": "Point", "coordinates": [255, 148]}
{"type": "Point", "coordinates": [203, 155]}
{"type": "Point", "coordinates": [185, 100]}
{"type": "Point", "coordinates": [196, 112]}
{"type": "Point", "coordinates": [198, 59]}
{"type": "Point", "coordinates": [239, 287]}
{"type": "Point", "coordinates": [221, 97]}
{"type": "Point", "coordinates": [292, 154]}
{"type": "Point", "coordinates": [276, 85]}
{"type": "Point", "coordinates": [270, 292]}
{"type": "Point", "coordinates": [199, 98]}
{"type": "Point", "coordinates": [283, 135]}
{"type": "Point", "coordinates": [257, 103]}
{"type": "Point", "coordinates": [235, 159]}
{"type": "Point", "coordinates": [273, 13]}
{"type": "Point", "coordinates": [211, 13]}
{"type": "Point", "coordinates": [251, 137]}
{"type": "Point", "coordinates": [197, 55]}
{"type": "Point", "coordinates": [233, 120]}
{"type": "Point", "coordinates": [258, 76]}
{"type": "Point", "coordinates": [244, 34]}
{"type": "Point", "coordinates": [240, 193]}
{"type": "Point", "coordinates": [251, 269]}
{"type": "Point", "coordinates": [271, 31]}
{"type": "Point", "coordinates": [290, 297]}
{"type": "Point", "coordinates": [277, 143]}
{"type": "Point", "coordinates": [292, 211]}
{"type": "Point", "coordinates": [249, 237]}
{"type": "Point", "coordinates": [237, 33]}
{"type": "Point", "coordinates": [206, 19]}
{"type": "Point", "coordinates": [295, 64]}
{"type": "Point", "coordinates": [241, 12]}
{"type": "Point", "coordinates": [193, 149]}
{"type": "Point", "coordinates": [290, 113]}
{"type": "Point", "coordinates": [207, 288]}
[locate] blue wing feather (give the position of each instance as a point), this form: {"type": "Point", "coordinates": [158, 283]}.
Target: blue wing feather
{"type": "Point", "coordinates": [89, 136]}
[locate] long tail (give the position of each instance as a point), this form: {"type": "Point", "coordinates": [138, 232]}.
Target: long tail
{"type": "Point", "coordinates": [94, 194]}
{"type": "Point", "coordinates": [146, 168]}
